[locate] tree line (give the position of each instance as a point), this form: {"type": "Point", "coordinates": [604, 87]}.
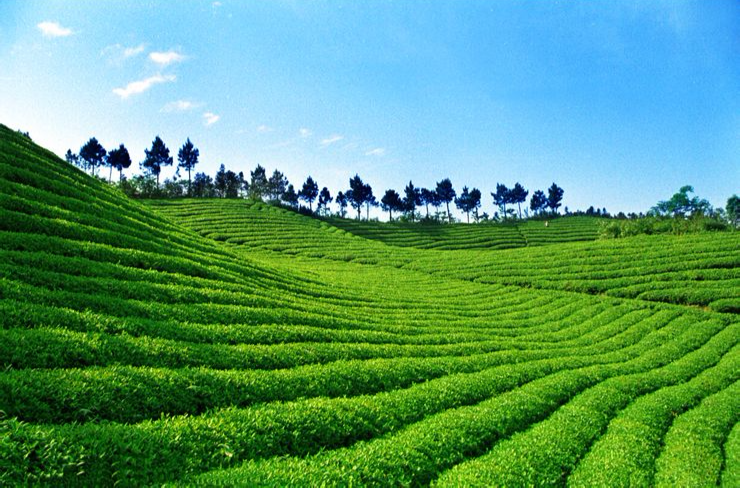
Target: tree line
{"type": "Point", "coordinates": [276, 188]}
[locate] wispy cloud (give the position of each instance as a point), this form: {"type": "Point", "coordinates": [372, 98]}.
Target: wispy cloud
{"type": "Point", "coordinates": [331, 140]}
{"type": "Point", "coordinates": [130, 52]}
{"type": "Point", "coordinates": [304, 133]}
{"type": "Point", "coordinates": [210, 118]}
{"type": "Point", "coordinates": [165, 58]}
{"type": "Point", "coordinates": [136, 87]}
{"type": "Point", "coordinates": [216, 4]}
{"type": "Point", "coordinates": [117, 53]}
{"type": "Point", "coordinates": [378, 151]}
{"type": "Point", "coordinates": [53, 29]}
{"type": "Point", "coordinates": [263, 129]}
{"type": "Point", "coordinates": [180, 106]}
{"type": "Point", "coordinates": [282, 144]}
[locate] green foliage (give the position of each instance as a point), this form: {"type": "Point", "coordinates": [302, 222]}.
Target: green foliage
{"type": "Point", "coordinates": [682, 205]}
{"type": "Point", "coordinates": [733, 210]}
{"type": "Point", "coordinates": [156, 157]}
{"type": "Point", "coordinates": [92, 154]}
{"type": "Point", "coordinates": [554, 197]}
{"type": "Point", "coordinates": [225, 341]}
{"type": "Point", "coordinates": [617, 228]}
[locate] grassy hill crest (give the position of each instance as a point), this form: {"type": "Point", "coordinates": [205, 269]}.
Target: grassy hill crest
{"type": "Point", "coordinates": [221, 342]}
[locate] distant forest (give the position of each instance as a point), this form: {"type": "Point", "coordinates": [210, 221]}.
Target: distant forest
{"type": "Point", "coordinates": [511, 202]}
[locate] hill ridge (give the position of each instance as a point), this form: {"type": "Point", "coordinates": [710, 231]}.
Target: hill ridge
{"type": "Point", "coordinates": [201, 343]}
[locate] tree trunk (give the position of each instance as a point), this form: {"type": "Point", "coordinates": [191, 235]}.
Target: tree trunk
{"type": "Point", "coordinates": [190, 191]}
{"type": "Point", "coordinates": [449, 217]}
{"type": "Point", "coordinates": [157, 181]}
{"type": "Point", "coordinates": [427, 205]}
{"type": "Point", "coordinates": [110, 173]}
{"type": "Point", "coordinates": [468, 216]}
{"type": "Point", "coordinates": [390, 216]}
{"type": "Point", "coordinates": [120, 175]}
{"type": "Point", "coordinates": [520, 210]}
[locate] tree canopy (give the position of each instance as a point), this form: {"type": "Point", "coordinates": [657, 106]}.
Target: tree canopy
{"type": "Point", "coordinates": [156, 157]}
{"type": "Point", "coordinates": [681, 204]}
{"type": "Point", "coordinates": [412, 198]}
{"type": "Point", "coordinates": [468, 201]}
{"type": "Point", "coordinates": [187, 158]}
{"type": "Point", "coordinates": [309, 192]}
{"type": "Point", "coordinates": [733, 210]}
{"type": "Point", "coordinates": [446, 194]}
{"type": "Point", "coordinates": [290, 197]}
{"type": "Point", "coordinates": [501, 197]}
{"type": "Point", "coordinates": [554, 197]}
{"type": "Point", "coordinates": [391, 202]}
{"type": "Point", "coordinates": [324, 200]}
{"type": "Point", "coordinates": [119, 159]}
{"type": "Point", "coordinates": [538, 202]}
{"type": "Point", "coordinates": [518, 195]}
{"type": "Point", "coordinates": [258, 183]}
{"type": "Point", "coordinates": [276, 185]}
{"type": "Point", "coordinates": [357, 195]}
{"type": "Point", "coordinates": [92, 154]}
{"type": "Point", "coordinates": [342, 202]}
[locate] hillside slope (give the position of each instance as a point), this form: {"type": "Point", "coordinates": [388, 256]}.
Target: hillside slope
{"type": "Point", "coordinates": [699, 269]}
{"type": "Point", "coordinates": [136, 351]}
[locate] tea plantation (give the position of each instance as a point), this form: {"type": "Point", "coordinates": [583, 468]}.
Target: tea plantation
{"type": "Point", "coordinates": [221, 342]}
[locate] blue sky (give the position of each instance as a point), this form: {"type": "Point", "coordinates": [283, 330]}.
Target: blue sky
{"type": "Point", "coordinates": [619, 102]}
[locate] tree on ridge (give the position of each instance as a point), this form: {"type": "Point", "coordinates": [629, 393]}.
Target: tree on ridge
{"type": "Point", "coordinates": [411, 199]}
{"type": "Point", "coordinates": [93, 154]}
{"type": "Point", "coordinates": [187, 158]}
{"type": "Point", "coordinates": [427, 197]}
{"type": "Point", "coordinates": [309, 192]}
{"type": "Point", "coordinates": [501, 197]}
{"type": "Point", "coordinates": [554, 197]}
{"type": "Point", "coordinates": [156, 157]}
{"type": "Point", "coordinates": [356, 194]}
{"type": "Point", "coordinates": [342, 202]}
{"type": "Point", "coordinates": [518, 195]}
{"type": "Point", "coordinates": [276, 185]}
{"type": "Point", "coordinates": [258, 183]}
{"type": "Point", "coordinates": [120, 159]}
{"type": "Point", "coordinates": [446, 194]}
{"type": "Point", "coordinates": [324, 200]}
{"type": "Point", "coordinates": [391, 202]}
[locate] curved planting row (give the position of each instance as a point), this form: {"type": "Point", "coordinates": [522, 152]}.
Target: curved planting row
{"type": "Point", "coordinates": [224, 342]}
{"type": "Point", "coordinates": [699, 269]}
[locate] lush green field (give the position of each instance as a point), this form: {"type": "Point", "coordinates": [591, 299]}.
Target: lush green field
{"type": "Point", "coordinates": [220, 342]}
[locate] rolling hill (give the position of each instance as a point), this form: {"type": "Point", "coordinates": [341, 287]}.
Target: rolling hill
{"type": "Point", "coordinates": [221, 342]}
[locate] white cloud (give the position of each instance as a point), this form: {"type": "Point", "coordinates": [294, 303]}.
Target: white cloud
{"type": "Point", "coordinates": [210, 118]}
{"type": "Point", "coordinates": [53, 29]}
{"type": "Point", "coordinates": [130, 52]}
{"type": "Point", "coordinates": [136, 87]}
{"type": "Point", "coordinates": [331, 139]}
{"type": "Point", "coordinates": [180, 106]}
{"type": "Point", "coordinates": [117, 53]}
{"type": "Point", "coordinates": [378, 151]}
{"type": "Point", "coordinates": [305, 132]}
{"type": "Point", "coordinates": [164, 58]}
{"type": "Point", "coordinates": [264, 129]}
{"type": "Point", "coordinates": [216, 4]}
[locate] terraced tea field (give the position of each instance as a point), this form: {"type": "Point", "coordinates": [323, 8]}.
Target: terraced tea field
{"type": "Point", "coordinates": [224, 343]}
